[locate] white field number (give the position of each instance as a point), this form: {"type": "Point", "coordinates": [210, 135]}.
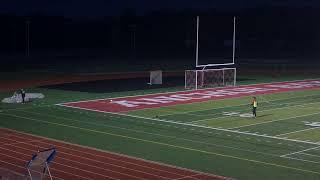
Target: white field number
{"type": "Point", "coordinates": [238, 114]}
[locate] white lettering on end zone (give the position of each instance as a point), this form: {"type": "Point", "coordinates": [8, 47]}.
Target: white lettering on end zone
{"type": "Point", "coordinates": [159, 100]}
{"type": "Point", "coordinates": [131, 104]}
{"type": "Point", "coordinates": [249, 90]}
{"type": "Point", "coordinates": [192, 96]}
{"type": "Point", "coordinates": [162, 99]}
{"type": "Point", "coordinates": [296, 85]}
{"type": "Point", "coordinates": [189, 96]}
{"type": "Point", "coordinates": [237, 91]}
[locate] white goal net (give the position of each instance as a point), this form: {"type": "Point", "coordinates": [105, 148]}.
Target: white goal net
{"type": "Point", "coordinates": [209, 78]}
{"type": "Point", "coordinates": [155, 77]}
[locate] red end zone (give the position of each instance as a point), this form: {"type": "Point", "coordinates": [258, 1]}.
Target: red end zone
{"type": "Point", "coordinates": [124, 104]}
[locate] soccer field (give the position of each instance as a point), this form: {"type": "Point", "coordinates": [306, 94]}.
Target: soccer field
{"type": "Point", "coordinates": [216, 136]}
{"type": "Point", "coordinates": [284, 136]}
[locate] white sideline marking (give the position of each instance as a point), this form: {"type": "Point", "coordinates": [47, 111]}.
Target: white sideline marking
{"type": "Point", "coordinates": [199, 126]}
{"type": "Point", "coordinates": [300, 151]}
{"type": "Point", "coordinates": [297, 131]}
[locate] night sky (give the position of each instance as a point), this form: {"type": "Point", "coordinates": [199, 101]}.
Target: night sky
{"type": "Point", "coordinates": [100, 8]}
{"type": "Point", "coordinates": [92, 30]}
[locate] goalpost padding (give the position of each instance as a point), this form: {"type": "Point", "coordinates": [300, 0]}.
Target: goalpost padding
{"type": "Point", "coordinates": [155, 77]}
{"type": "Point", "coordinates": [209, 78]}
{"type": "Point", "coordinates": [38, 166]}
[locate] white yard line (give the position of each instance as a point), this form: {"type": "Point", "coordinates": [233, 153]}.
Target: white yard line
{"type": "Point", "coordinates": [200, 126]}
{"type": "Point", "coordinates": [300, 151]}
{"type": "Point", "coordinates": [156, 134]}
{"type": "Point", "coordinates": [224, 130]}
{"type": "Point", "coordinates": [297, 131]}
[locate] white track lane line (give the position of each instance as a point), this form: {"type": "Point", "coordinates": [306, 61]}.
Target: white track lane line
{"type": "Point", "coordinates": [111, 153]}
{"type": "Point", "coordinates": [118, 161]}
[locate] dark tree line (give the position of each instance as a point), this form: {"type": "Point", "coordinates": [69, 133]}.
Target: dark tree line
{"type": "Point", "coordinates": [261, 33]}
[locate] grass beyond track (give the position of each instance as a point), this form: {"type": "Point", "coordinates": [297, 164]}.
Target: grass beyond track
{"type": "Point", "coordinates": [215, 137]}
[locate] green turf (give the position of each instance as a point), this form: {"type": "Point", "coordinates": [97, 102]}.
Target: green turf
{"type": "Point", "coordinates": [199, 136]}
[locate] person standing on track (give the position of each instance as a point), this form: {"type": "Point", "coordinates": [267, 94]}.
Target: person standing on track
{"type": "Point", "coordinates": [254, 104]}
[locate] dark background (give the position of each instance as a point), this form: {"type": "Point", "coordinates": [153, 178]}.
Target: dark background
{"type": "Point", "coordinates": [135, 37]}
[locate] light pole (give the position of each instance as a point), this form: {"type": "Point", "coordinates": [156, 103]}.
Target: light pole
{"type": "Point", "coordinates": [27, 38]}
{"type": "Point", "coordinates": [133, 35]}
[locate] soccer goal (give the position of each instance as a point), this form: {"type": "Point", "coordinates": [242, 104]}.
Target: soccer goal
{"type": "Point", "coordinates": [38, 166]}
{"type": "Point", "coordinates": [155, 77]}
{"type": "Point", "coordinates": [209, 78]}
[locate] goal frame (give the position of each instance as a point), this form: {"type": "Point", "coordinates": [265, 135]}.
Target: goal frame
{"type": "Point", "coordinates": [155, 77]}
{"type": "Point", "coordinates": [196, 72]}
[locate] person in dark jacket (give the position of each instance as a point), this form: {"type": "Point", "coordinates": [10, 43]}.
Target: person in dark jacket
{"type": "Point", "coordinates": [23, 95]}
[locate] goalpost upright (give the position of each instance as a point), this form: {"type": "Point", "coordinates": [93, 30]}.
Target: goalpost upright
{"type": "Point", "coordinates": [233, 47]}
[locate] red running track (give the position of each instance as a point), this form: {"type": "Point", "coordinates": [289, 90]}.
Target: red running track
{"type": "Point", "coordinates": [83, 163]}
